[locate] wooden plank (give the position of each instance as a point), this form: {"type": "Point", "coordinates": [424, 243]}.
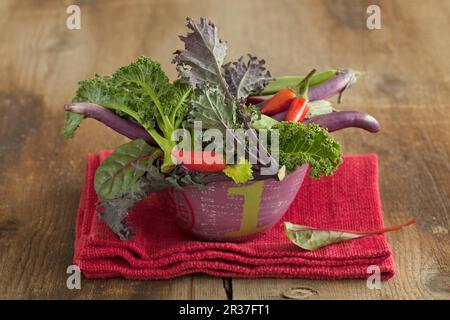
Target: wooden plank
{"type": "Point", "coordinates": [42, 174]}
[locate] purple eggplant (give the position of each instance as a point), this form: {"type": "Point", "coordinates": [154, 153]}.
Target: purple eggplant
{"type": "Point", "coordinates": [336, 85]}
{"type": "Point", "coordinates": [123, 126]}
{"type": "Point", "coordinates": [346, 119]}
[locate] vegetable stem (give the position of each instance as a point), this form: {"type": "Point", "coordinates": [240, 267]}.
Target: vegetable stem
{"type": "Point", "coordinates": [167, 126]}
{"type": "Point", "coordinates": [177, 107]}
{"type": "Point", "coordinates": [305, 84]}
{"type": "Point", "coordinates": [389, 229]}
{"type": "Point", "coordinates": [370, 232]}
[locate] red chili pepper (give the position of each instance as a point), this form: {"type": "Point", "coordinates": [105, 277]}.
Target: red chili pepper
{"type": "Point", "coordinates": [279, 102]}
{"type": "Point", "coordinates": [297, 110]}
{"type": "Point", "coordinates": [202, 161]}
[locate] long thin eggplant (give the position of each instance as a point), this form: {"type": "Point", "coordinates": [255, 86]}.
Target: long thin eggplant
{"type": "Point", "coordinates": [346, 119]}
{"type": "Point", "coordinates": [123, 126]}
{"type": "Point", "coordinates": [343, 80]}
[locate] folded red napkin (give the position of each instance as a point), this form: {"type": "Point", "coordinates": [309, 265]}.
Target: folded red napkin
{"type": "Point", "coordinates": [348, 200]}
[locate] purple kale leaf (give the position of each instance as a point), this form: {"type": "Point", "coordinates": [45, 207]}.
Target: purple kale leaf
{"type": "Point", "coordinates": [115, 211]}
{"type": "Point", "coordinates": [246, 77]}
{"type": "Point", "coordinates": [204, 54]}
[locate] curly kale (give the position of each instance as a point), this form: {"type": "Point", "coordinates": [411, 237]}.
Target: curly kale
{"type": "Point", "coordinates": [300, 144]}
{"type": "Point", "coordinates": [96, 90]}
{"type": "Point", "coordinates": [140, 91]}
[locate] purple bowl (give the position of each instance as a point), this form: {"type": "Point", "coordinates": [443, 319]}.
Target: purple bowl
{"type": "Point", "coordinates": [225, 211]}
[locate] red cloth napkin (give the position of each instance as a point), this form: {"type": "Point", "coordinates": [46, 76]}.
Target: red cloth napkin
{"type": "Point", "coordinates": [348, 200]}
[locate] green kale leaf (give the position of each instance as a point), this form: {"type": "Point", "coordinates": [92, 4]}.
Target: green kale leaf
{"type": "Point", "coordinates": [95, 90]}
{"type": "Point", "coordinates": [210, 106]}
{"type": "Point", "coordinates": [300, 144]}
{"type": "Point", "coordinates": [142, 92]}
{"type": "Point", "coordinates": [72, 123]}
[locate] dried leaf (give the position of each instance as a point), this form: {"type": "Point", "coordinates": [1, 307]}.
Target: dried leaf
{"type": "Point", "coordinates": [309, 238]}
{"type": "Point", "coordinates": [245, 78]}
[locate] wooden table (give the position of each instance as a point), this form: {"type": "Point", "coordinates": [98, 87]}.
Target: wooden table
{"type": "Point", "coordinates": [41, 174]}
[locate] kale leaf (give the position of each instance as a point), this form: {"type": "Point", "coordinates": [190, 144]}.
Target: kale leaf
{"type": "Point", "coordinates": [201, 65]}
{"type": "Point", "coordinates": [95, 90]}
{"type": "Point", "coordinates": [204, 54]}
{"type": "Point", "coordinates": [300, 144]}
{"type": "Point", "coordinates": [202, 61]}
{"type": "Point", "coordinates": [114, 211]}
{"type": "Point", "coordinates": [140, 91]}
{"type": "Point", "coordinates": [245, 78]}
{"type": "Point", "coordinates": [210, 106]}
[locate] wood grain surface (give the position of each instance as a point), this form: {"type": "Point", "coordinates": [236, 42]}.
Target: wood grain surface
{"type": "Point", "coordinates": [41, 174]}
